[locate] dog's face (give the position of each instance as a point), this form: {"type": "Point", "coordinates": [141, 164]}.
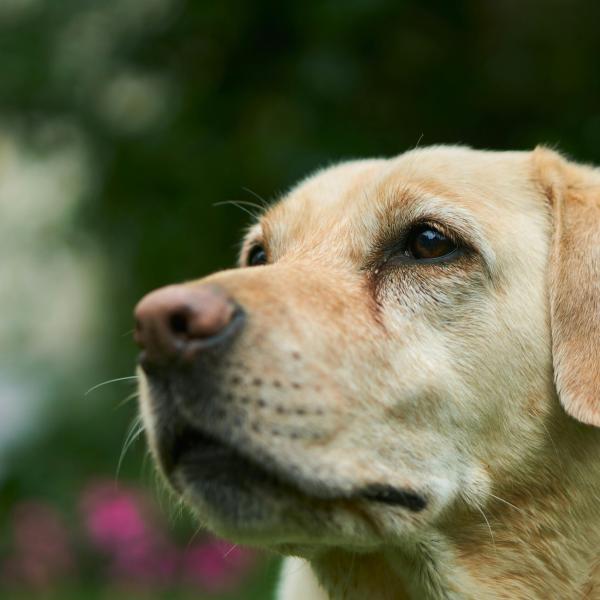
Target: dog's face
{"type": "Point", "coordinates": [381, 356]}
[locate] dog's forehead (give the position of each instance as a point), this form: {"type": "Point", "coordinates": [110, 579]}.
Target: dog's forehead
{"type": "Point", "coordinates": [329, 191]}
{"type": "Point", "coordinates": [345, 201]}
{"type": "Point", "coordinates": [320, 207]}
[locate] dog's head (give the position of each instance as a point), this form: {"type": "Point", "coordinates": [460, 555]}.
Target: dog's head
{"type": "Point", "coordinates": [390, 347]}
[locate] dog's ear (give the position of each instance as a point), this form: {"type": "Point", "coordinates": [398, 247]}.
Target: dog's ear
{"type": "Point", "coordinates": [573, 192]}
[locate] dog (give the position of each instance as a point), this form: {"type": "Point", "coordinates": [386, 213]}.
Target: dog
{"type": "Point", "coordinates": [399, 386]}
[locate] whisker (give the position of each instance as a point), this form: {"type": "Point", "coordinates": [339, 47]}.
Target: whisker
{"type": "Point", "coordinates": [505, 502]}
{"type": "Point", "coordinates": [419, 141]}
{"type": "Point", "coordinates": [229, 551]}
{"type": "Point", "coordinates": [127, 399]}
{"type": "Point", "coordinates": [241, 205]}
{"type": "Point", "coordinates": [488, 525]}
{"type": "Point", "coordinates": [136, 428]}
{"type": "Point", "coordinates": [99, 385]}
{"type": "Point", "coordinates": [242, 202]}
{"type": "Point", "coordinates": [263, 202]}
{"type": "Point", "coordinates": [558, 456]}
{"type": "Point", "coordinates": [251, 204]}
{"type": "Point", "coordinates": [195, 535]}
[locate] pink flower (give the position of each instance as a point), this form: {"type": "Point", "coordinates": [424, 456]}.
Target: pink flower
{"type": "Point", "coordinates": [113, 517]}
{"type": "Point", "coordinates": [120, 524]}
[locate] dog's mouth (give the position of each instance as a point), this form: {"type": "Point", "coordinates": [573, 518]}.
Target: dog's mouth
{"type": "Point", "coordinates": [210, 462]}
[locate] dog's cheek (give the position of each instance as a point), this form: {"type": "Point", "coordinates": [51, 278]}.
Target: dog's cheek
{"type": "Point", "coordinates": [451, 344]}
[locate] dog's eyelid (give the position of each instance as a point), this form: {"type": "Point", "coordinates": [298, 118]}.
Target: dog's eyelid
{"type": "Point", "coordinates": [460, 229]}
{"type": "Point", "coordinates": [402, 245]}
{"type": "Point", "coordinates": [442, 227]}
{"type": "Point", "coordinates": [396, 238]}
{"type": "Point", "coordinates": [443, 213]}
{"type": "Point", "coordinates": [459, 225]}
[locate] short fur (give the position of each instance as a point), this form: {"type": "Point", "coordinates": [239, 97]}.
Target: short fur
{"type": "Point", "coordinates": [474, 382]}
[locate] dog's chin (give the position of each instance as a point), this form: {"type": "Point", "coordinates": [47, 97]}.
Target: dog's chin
{"type": "Point", "coordinates": [249, 501]}
{"type": "Point", "coordinates": [252, 509]}
{"type": "Point", "coordinates": [238, 497]}
{"type": "Point", "coordinates": [260, 510]}
{"type": "Point", "coordinates": [238, 489]}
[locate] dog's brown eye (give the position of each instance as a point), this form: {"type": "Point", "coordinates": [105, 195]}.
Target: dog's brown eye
{"type": "Point", "coordinates": [426, 242]}
{"type": "Point", "coordinates": [257, 256]}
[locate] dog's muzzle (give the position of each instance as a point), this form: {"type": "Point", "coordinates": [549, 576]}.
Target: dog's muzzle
{"type": "Point", "coordinates": [185, 332]}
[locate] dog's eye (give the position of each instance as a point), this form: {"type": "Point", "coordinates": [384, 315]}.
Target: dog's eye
{"type": "Point", "coordinates": [425, 242]}
{"type": "Point", "coordinates": [257, 256]}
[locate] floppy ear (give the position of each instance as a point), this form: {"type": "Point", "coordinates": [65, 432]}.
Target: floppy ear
{"type": "Point", "coordinates": [574, 280]}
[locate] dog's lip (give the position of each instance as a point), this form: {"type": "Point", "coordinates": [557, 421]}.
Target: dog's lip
{"type": "Point", "coordinates": [195, 446]}
{"type": "Point", "coordinates": [391, 495]}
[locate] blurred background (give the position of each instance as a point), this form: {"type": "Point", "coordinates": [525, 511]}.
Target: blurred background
{"type": "Point", "coordinates": [123, 125]}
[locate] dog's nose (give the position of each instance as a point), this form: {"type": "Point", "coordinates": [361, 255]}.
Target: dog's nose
{"type": "Point", "coordinates": [179, 321]}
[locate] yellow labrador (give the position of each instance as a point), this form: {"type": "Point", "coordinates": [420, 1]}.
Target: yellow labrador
{"type": "Point", "coordinates": [400, 384]}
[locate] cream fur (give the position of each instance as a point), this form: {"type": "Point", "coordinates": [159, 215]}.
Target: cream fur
{"type": "Point", "coordinates": [436, 378]}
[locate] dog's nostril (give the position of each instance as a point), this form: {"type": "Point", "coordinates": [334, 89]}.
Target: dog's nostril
{"type": "Point", "coordinates": [179, 322]}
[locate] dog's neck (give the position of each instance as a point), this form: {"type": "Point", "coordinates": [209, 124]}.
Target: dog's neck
{"type": "Point", "coordinates": [538, 540]}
